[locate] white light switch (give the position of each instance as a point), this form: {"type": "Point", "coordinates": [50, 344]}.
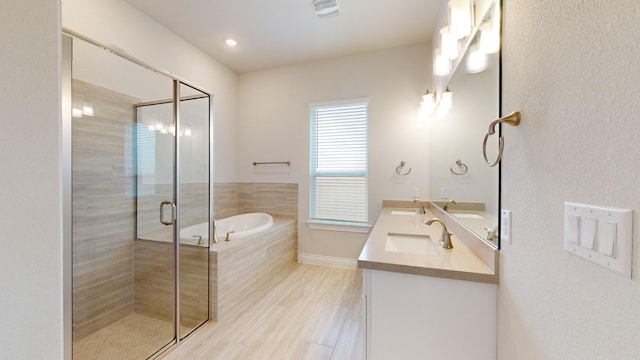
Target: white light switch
{"type": "Point", "coordinates": [573, 229]}
{"type": "Point", "coordinates": [601, 235]}
{"type": "Point", "coordinates": [607, 238]}
{"type": "Point", "coordinates": [588, 233]}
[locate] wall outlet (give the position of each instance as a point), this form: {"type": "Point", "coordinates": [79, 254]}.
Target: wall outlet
{"type": "Point", "coordinates": [505, 225]}
{"type": "Point", "coordinates": [444, 193]}
{"type": "Point", "coordinates": [415, 192]}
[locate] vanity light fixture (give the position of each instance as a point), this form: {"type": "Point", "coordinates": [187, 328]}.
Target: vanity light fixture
{"type": "Point", "coordinates": [490, 32]}
{"type": "Point", "coordinates": [446, 101]}
{"type": "Point", "coordinates": [441, 64]}
{"type": "Point", "coordinates": [476, 60]}
{"type": "Point", "coordinates": [326, 8]}
{"type": "Point", "coordinates": [460, 18]}
{"type": "Point", "coordinates": [449, 44]}
{"type": "Point", "coordinates": [428, 104]}
{"type": "Point", "coordinates": [489, 38]}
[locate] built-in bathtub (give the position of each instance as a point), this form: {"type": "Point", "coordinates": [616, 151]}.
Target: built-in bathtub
{"type": "Point", "coordinates": [233, 227]}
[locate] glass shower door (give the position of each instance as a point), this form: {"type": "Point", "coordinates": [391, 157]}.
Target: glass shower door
{"type": "Point", "coordinates": [123, 258]}
{"type": "Point", "coordinates": [195, 207]}
{"type": "Point", "coordinates": [155, 256]}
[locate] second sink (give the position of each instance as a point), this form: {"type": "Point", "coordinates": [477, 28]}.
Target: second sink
{"type": "Point", "coordinates": [462, 215]}
{"type": "Point", "coordinates": [410, 244]}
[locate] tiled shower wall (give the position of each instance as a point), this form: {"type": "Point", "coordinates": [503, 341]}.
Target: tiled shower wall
{"type": "Point", "coordinates": [103, 210]}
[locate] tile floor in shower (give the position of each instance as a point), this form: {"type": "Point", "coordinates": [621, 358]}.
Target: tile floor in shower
{"type": "Point", "coordinates": [314, 313]}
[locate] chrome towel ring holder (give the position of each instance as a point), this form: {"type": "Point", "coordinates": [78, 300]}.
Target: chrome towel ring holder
{"type": "Point", "coordinates": [464, 168]}
{"type": "Point", "coordinates": [512, 119]}
{"type": "Point", "coordinates": [399, 169]}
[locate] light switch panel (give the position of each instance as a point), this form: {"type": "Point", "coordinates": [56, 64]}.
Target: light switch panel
{"type": "Point", "coordinates": [601, 235]}
{"type": "Point", "coordinates": [588, 233]}
{"type": "Point", "coordinates": [607, 238]}
{"type": "Point", "coordinates": [573, 229]}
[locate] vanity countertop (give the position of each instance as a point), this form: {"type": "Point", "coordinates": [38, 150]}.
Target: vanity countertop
{"type": "Point", "coordinates": [459, 263]}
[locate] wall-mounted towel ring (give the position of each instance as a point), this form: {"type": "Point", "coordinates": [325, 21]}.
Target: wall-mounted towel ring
{"type": "Point", "coordinates": [464, 168]}
{"type": "Point", "coordinates": [399, 169]}
{"type": "Point", "coordinates": [512, 119]}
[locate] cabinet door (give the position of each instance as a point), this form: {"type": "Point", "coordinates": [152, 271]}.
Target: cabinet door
{"type": "Point", "coordinates": [421, 317]}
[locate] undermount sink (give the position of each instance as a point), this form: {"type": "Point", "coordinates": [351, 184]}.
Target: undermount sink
{"type": "Point", "coordinates": [462, 215]}
{"type": "Point", "coordinates": [404, 212]}
{"type": "Point", "coordinates": [410, 244]}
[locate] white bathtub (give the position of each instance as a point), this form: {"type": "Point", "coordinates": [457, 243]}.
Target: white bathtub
{"type": "Point", "coordinates": [237, 226]}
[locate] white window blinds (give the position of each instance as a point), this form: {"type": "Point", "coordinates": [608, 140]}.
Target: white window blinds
{"type": "Point", "coordinates": [338, 163]}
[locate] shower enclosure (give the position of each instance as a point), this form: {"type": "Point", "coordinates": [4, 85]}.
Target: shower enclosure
{"type": "Point", "coordinates": [141, 145]}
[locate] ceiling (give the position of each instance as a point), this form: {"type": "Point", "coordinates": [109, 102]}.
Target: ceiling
{"type": "Point", "coordinates": [273, 33]}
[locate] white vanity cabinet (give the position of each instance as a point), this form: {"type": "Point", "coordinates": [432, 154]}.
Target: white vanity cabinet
{"type": "Point", "coordinates": [423, 317]}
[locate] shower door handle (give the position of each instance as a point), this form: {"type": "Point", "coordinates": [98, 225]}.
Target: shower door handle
{"type": "Point", "coordinates": [173, 212]}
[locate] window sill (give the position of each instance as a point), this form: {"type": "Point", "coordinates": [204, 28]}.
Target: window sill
{"type": "Point", "coordinates": [338, 226]}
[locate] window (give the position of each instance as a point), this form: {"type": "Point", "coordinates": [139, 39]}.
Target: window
{"type": "Point", "coordinates": [338, 164]}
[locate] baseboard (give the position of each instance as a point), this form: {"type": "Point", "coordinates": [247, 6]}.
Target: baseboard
{"type": "Point", "coordinates": [327, 261]}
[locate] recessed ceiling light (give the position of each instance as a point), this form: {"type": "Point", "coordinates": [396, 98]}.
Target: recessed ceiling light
{"type": "Point", "coordinates": [326, 8]}
{"type": "Point", "coordinates": [230, 42]}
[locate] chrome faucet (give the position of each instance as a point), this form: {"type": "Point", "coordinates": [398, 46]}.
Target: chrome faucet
{"type": "Point", "coordinates": [445, 239]}
{"type": "Point", "coordinates": [227, 237]}
{"type": "Point", "coordinates": [422, 209]}
{"type": "Point", "coordinates": [445, 207]}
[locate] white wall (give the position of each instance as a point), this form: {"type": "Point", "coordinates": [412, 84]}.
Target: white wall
{"type": "Point", "coordinates": [31, 191]}
{"type": "Point", "coordinates": [571, 68]}
{"type": "Point", "coordinates": [273, 118]}
{"type": "Point", "coordinates": [118, 24]}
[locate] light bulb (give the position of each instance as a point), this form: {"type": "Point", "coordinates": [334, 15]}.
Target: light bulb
{"type": "Point", "coordinates": [441, 64]}
{"type": "Point", "coordinates": [448, 43]}
{"type": "Point", "coordinates": [489, 38]}
{"type": "Point", "coordinates": [476, 60]}
{"type": "Point", "coordinates": [460, 18]}
{"type": "Point", "coordinates": [427, 104]}
{"type": "Point", "coordinates": [446, 101]}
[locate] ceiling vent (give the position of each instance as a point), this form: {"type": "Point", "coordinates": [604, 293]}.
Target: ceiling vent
{"type": "Point", "coordinates": [326, 8]}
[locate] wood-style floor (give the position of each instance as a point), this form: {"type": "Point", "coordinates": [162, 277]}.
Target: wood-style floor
{"type": "Point", "coordinates": [314, 313]}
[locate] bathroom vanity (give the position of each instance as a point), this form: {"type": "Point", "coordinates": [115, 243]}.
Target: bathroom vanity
{"type": "Point", "coordinates": [424, 301]}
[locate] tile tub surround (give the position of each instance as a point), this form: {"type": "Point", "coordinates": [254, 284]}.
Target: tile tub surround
{"type": "Point", "coordinates": [154, 282]}
{"type": "Point", "coordinates": [244, 269]}
{"type": "Point", "coordinates": [103, 185]}
{"type": "Point", "coordinates": [280, 200]}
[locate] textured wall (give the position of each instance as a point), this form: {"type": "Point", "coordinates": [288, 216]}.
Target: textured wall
{"type": "Point", "coordinates": [571, 68]}
{"type": "Point", "coordinates": [30, 164]}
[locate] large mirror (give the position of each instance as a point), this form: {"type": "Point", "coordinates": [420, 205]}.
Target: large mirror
{"type": "Point", "coordinates": [461, 181]}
